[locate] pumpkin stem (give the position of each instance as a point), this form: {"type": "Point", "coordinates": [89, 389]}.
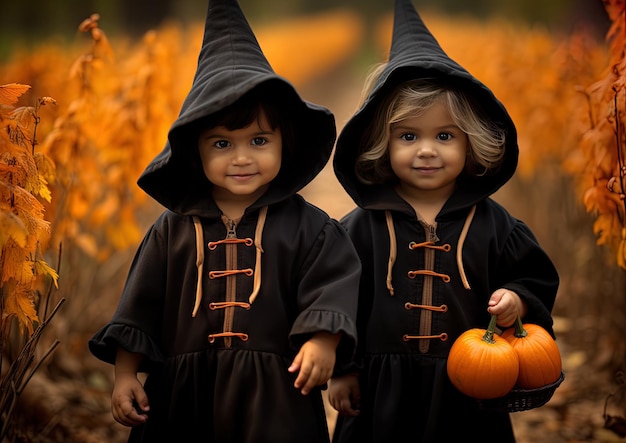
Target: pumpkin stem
{"type": "Point", "coordinates": [488, 336]}
{"type": "Point", "coordinates": [520, 332]}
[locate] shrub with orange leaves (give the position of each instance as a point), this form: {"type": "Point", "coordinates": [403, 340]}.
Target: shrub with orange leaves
{"type": "Point", "coordinates": [600, 162]}
{"type": "Point", "coordinates": [24, 176]}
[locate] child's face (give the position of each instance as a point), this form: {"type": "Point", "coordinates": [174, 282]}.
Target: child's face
{"type": "Point", "coordinates": [428, 153]}
{"type": "Point", "coordinates": [241, 163]}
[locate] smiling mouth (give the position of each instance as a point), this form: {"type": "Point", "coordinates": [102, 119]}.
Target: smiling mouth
{"type": "Point", "coordinates": [241, 176]}
{"type": "Point", "coordinates": [426, 169]}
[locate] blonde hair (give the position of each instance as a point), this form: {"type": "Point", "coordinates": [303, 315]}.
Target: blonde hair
{"type": "Point", "coordinates": [410, 99]}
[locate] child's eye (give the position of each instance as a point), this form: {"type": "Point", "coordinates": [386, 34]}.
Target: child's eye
{"type": "Point", "coordinates": [222, 144]}
{"type": "Point", "coordinates": [408, 137]}
{"type": "Point", "coordinates": [444, 136]}
{"type": "Point", "coordinates": [259, 141]}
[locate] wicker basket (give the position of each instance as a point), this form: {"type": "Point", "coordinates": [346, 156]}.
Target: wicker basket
{"type": "Point", "coordinates": [523, 399]}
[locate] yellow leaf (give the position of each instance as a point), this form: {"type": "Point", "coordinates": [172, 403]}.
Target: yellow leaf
{"type": "Point", "coordinates": [10, 93]}
{"type": "Point", "coordinates": [42, 268]}
{"type": "Point", "coordinates": [18, 303]}
{"type": "Point", "coordinates": [44, 191]}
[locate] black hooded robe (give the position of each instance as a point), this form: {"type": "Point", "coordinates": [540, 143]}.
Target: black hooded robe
{"type": "Point", "coordinates": [406, 394]}
{"type": "Point", "coordinates": [234, 388]}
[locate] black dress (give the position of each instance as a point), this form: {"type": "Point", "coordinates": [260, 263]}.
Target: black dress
{"type": "Point", "coordinates": [237, 388]}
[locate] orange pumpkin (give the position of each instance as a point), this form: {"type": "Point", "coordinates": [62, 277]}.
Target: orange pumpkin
{"type": "Point", "coordinates": [539, 356]}
{"type": "Point", "coordinates": [482, 364]}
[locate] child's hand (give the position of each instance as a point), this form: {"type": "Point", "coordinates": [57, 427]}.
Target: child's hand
{"type": "Point", "coordinates": [506, 305]}
{"type": "Point", "coordinates": [128, 392]}
{"type": "Point", "coordinates": [315, 361]}
{"type": "Point", "coordinates": [344, 394]}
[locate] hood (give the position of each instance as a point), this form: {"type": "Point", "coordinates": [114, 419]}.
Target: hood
{"type": "Point", "coordinates": [231, 64]}
{"type": "Point", "coordinates": [415, 54]}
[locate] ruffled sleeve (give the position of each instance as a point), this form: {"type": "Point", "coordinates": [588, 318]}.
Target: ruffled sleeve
{"type": "Point", "coordinates": [103, 345]}
{"type": "Point", "coordinates": [328, 291]}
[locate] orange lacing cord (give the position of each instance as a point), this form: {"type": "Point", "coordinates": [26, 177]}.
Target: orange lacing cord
{"type": "Point", "coordinates": [442, 308]}
{"type": "Point", "coordinates": [443, 336]}
{"type": "Point", "coordinates": [227, 304]}
{"type": "Point", "coordinates": [213, 244]}
{"type": "Point", "coordinates": [227, 272]}
{"type": "Point", "coordinates": [459, 249]}
{"type": "Point", "coordinates": [241, 335]}
{"type": "Point", "coordinates": [430, 245]}
{"type": "Point", "coordinates": [199, 262]}
{"type": "Point", "coordinates": [444, 277]}
{"type": "Point", "coordinates": [392, 250]}
{"type": "Point", "coordinates": [258, 234]}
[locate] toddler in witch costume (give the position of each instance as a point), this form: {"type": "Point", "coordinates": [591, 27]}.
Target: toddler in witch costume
{"type": "Point", "coordinates": [421, 158]}
{"type": "Point", "coordinates": [241, 298]}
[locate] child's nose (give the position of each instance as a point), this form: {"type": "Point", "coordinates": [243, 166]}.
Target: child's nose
{"type": "Point", "coordinates": [425, 149]}
{"type": "Point", "coordinates": [241, 155]}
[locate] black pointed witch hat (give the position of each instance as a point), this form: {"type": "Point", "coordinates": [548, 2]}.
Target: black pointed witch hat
{"type": "Point", "coordinates": [416, 54]}
{"type": "Point", "coordinates": [230, 65]}
{"type": "Point", "coordinates": [414, 46]}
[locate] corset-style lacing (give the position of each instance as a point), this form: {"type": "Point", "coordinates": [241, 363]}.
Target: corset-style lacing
{"type": "Point", "coordinates": [258, 235]}
{"type": "Point", "coordinates": [413, 245]}
{"type": "Point", "coordinates": [425, 316]}
{"type": "Point", "coordinates": [430, 245]}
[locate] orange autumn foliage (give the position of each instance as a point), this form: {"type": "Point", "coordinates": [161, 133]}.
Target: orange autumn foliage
{"type": "Point", "coordinates": [599, 164]}
{"type": "Point", "coordinates": [22, 223]}
{"type": "Point", "coordinates": [77, 168]}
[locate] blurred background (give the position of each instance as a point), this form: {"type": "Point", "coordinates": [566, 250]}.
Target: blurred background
{"type": "Point", "coordinates": [119, 80]}
{"type": "Point", "coordinates": [31, 21]}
